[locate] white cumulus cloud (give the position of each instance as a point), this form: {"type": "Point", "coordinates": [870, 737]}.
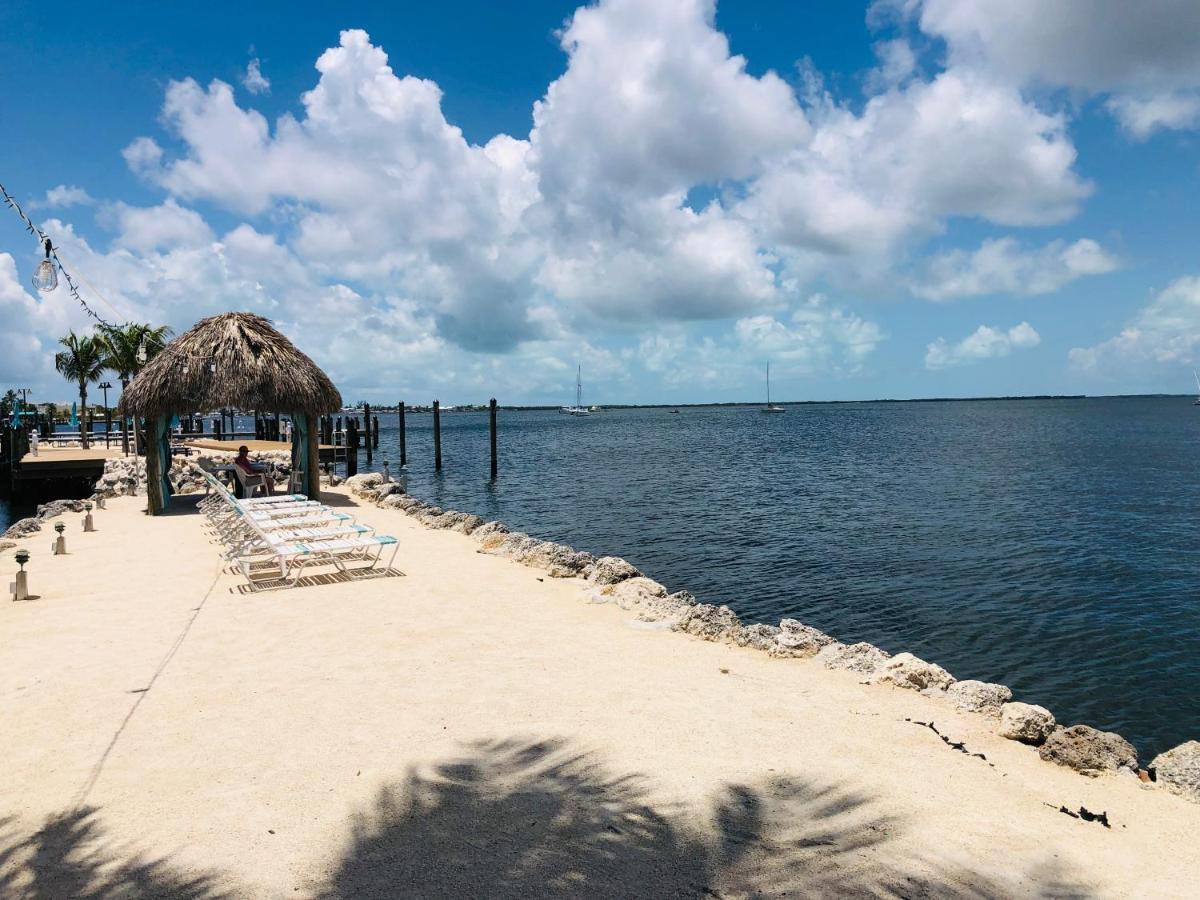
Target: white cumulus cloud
{"type": "Point", "coordinates": [1003, 266]}
{"type": "Point", "coordinates": [62, 197]}
{"type": "Point", "coordinates": [1165, 332]}
{"type": "Point", "coordinates": [1145, 55]}
{"type": "Point", "coordinates": [985, 342]}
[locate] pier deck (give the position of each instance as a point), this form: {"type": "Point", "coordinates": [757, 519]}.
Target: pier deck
{"type": "Point", "coordinates": [327, 450]}
{"type": "Point", "coordinates": [64, 462]}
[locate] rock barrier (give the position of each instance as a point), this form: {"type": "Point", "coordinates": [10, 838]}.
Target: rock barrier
{"type": "Point", "coordinates": [610, 579]}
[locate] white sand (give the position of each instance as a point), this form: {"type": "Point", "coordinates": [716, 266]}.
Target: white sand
{"type": "Point", "coordinates": [476, 728]}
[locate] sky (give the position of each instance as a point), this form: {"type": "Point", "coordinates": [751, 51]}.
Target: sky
{"type": "Point", "coordinates": [905, 198]}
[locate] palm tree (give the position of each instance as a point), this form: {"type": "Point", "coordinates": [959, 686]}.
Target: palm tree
{"type": "Point", "coordinates": [127, 349]}
{"type": "Point", "coordinates": [82, 362]}
{"type": "Point", "coordinates": [8, 403]}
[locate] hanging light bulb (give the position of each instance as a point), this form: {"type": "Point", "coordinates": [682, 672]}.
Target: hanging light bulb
{"type": "Point", "coordinates": [45, 279]}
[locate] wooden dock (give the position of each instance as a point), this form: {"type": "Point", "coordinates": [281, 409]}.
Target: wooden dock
{"type": "Point", "coordinates": [327, 450]}
{"type": "Point", "coordinates": [54, 464]}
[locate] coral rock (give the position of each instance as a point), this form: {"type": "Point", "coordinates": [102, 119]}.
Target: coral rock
{"type": "Point", "coordinates": [610, 570]}
{"type": "Point", "coordinates": [360, 484]}
{"type": "Point", "coordinates": [468, 524]}
{"type": "Point", "coordinates": [1025, 722]}
{"type": "Point", "coordinates": [861, 657]}
{"type": "Point", "coordinates": [979, 696]}
{"type": "Point", "coordinates": [1178, 770]}
{"type": "Point", "coordinates": [1089, 751]}
{"type": "Point", "coordinates": [710, 623]}
{"type": "Point", "coordinates": [797, 640]}
{"type": "Point", "coordinates": [559, 560]}
{"type": "Point", "coordinates": [759, 636]}
{"type": "Point", "coordinates": [908, 671]}
{"type": "Point", "coordinates": [490, 528]}
{"type": "Point", "coordinates": [387, 489]}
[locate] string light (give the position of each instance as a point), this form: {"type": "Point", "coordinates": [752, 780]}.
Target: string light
{"type": "Point", "coordinates": [45, 279]}
{"type": "Point", "coordinates": [51, 262]}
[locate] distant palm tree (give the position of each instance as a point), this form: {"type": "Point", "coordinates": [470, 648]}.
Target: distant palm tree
{"type": "Point", "coordinates": [82, 362]}
{"type": "Point", "coordinates": [127, 349]}
{"type": "Point", "coordinates": [8, 403]}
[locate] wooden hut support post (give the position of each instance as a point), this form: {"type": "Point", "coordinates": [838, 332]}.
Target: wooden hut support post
{"type": "Point", "coordinates": [156, 467]}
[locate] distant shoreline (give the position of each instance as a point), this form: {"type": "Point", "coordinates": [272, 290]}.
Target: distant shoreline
{"type": "Point", "coordinates": [753, 403]}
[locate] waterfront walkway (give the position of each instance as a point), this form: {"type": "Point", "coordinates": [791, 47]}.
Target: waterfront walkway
{"type": "Point", "coordinates": [476, 728]}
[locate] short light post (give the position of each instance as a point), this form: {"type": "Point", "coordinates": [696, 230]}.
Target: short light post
{"type": "Point", "coordinates": [20, 587]}
{"type": "Point", "coordinates": [387, 472]}
{"type": "Point", "coordinates": [87, 519]}
{"type": "Point", "coordinates": [60, 543]}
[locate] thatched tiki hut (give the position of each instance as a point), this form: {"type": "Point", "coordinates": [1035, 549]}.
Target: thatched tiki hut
{"type": "Point", "coordinates": [232, 360]}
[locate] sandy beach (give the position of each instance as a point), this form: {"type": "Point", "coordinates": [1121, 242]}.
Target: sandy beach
{"type": "Point", "coordinates": [477, 728]}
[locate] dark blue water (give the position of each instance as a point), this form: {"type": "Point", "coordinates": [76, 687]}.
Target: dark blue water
{"type": "Point", "coordinates": [1053, 546]}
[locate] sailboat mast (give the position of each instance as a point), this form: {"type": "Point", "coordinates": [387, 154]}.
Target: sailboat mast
{"type": "Point", "coordinates": [768, 384]}
{"type": "Point", "coordinates": [579, 387]}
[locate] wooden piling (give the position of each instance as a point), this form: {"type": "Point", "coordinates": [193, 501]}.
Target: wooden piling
{"type": "Point", "coordinates": [375, 432]}
{"type": "Point", "coordinates": [437, 436]}
{"type": "Point", "coordinates": [492, 433]}
{"type": "Point", "coordinates": [351, 447]}
{"type": "Point", "coordinates": [403, 447]}
{"type": "Point", "coordinates": [367, 431]}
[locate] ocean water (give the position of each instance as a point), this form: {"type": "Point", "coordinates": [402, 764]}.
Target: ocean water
{"type": "Point", "coordinates": [1053, 546]}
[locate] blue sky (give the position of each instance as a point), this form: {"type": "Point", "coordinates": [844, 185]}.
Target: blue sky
{"type": "Point", "coordinates": [912, 198]}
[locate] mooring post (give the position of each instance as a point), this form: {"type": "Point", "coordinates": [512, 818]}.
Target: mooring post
{"type": "Point", "coordinates": [375, 432]}
{"type": "Point", "coordinates": [351, 447]}
{"type": "Point", "coordinates": [437, 436]}
{"type": "Point", "coordinates": [403, 448]}
{"type": "Point", "coordinates": [367, 433]}
{"type": "Point", "coordinates": [492, 430]}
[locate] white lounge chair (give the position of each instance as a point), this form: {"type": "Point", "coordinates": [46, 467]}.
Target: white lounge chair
{"type": "Point", "coordinates": [281, 565]}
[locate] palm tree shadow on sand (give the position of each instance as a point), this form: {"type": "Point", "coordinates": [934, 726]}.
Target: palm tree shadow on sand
{"type": "Point", "coordinates": [515, 819]}
{"type": "Point", "coordinates": [70, 858]}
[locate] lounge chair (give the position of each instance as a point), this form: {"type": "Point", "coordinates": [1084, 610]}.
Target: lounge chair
{"type": "Point", "coordinates": [281, 565]}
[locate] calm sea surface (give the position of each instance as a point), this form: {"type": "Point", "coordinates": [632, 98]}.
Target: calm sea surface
{"type": "Point", "coordinates": [1053, 546]}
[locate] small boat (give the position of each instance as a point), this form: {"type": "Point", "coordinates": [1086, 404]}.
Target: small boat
{"type": "Point", "coordinates": [593, 409]}
{"type": "Point", "coordinates": [578, 409]}
{"type": "Point", "coordinates": [770, 408]}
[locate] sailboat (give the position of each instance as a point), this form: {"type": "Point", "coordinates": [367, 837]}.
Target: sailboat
{"type": "Point", "coordinates": [578, 409]}
{"type": "Point", "coordinates": [1196, 402]}
{"type": "Point", "coordinates": [769, 408]}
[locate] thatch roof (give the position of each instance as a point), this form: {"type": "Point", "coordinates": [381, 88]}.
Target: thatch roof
{"type": "Point", "coordinates": [256, 367]}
